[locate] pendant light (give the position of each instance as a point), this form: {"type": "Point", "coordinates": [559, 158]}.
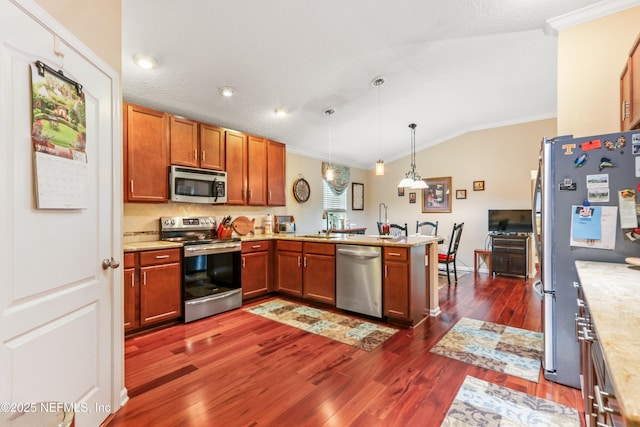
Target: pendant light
{"type": "Point", "coordinates": [377, 82]}
{"type": "Point", "coordinates": [412, 179]}
{"type": "Point", "coordinates": [330, 173]}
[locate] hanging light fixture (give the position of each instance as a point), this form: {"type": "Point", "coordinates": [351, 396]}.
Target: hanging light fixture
{"type": "Point", "coordinates": [412, 179]}
{"type": "Point", "coordinates": [330, 172]}
{"type": "Point", "coordinates": [377, 82]}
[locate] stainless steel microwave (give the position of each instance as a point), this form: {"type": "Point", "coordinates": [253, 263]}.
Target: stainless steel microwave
{"type": "Point", "coordinates": [193, 185]}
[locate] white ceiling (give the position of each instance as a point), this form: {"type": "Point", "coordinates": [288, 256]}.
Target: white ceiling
{"type": "Point", "coordinates": [451, 67]}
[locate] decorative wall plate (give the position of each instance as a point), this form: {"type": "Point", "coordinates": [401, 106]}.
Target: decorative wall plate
{"type": "Point", "coordinates": [301, 190]}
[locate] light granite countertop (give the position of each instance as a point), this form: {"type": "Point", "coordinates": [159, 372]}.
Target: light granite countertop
{"type": "Point", "coordinates": [612, 292]}
{"type": "Point", "coordinates": [351, 239]}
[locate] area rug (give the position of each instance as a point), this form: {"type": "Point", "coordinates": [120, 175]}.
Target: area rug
{"type": "Point", "coordinates": [480, 403]}
{"type": "Point", "coordinates": [497, 347]}
{"type": "Point", "coordinates": [348, 330]}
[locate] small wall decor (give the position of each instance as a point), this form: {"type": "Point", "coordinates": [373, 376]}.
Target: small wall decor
{"type": "Point", "coordinates": [412, 197]}
{"type": "Point", "coordinates": [357, 196]}
{"type": "Point", "coordinates": [478, 185]}
{"type": "Point", "coordinates": [401, 191]}
{"type": "Point", "coordinates": [461, 194]}
{"type": "Point", "coordinates": [437, 196]}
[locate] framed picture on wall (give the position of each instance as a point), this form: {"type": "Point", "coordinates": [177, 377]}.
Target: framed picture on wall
{"type": "Point", "coordinates": [437, 196]}
{"type": "Point", "coordinates": [478, 185]}
{"type": "Point", "coordinates": [357, 196]}
{"type": "Point", "coordinates": [461, 194]}
{"type": "Point", "coordinates": [412, 197]}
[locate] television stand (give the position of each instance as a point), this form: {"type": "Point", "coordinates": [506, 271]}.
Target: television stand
{"type": "Point", "coordinates": [510, 254]}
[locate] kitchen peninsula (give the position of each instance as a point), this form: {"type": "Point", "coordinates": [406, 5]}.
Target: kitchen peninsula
{"type": "Point", "coordinates": [410, 270]}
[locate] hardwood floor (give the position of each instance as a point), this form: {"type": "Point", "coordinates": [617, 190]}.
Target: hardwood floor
{"type": "Point", "coordinates": [238, 369]}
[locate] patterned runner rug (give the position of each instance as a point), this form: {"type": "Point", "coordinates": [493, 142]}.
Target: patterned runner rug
{"type": "Point", "coordinates": [497, 347]}
{"type": "Point", "coordinates": [348, 330]}
{"type": "Point", "coordinates": [479, 403]}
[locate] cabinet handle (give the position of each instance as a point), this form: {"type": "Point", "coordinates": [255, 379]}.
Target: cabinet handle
{"type": "Point", "coordinates": [256, 246]}
{"type": "Point", "coordinates": [195, 154]}
{"type": "Point", "coordinates": [133, 280]}
{"type": "Point", "coordinates": [386, 274]}
{"type": "Point", "coordinates": [203, 155]}
{"type": "Point", "coordinates": [394, 254]}
{"type": "Point", "coordinates": [600, 403]}
{"type": "Point", "coordinates": [298, 260]}
{"type": "Point", "coordinates": [305, 262]}
{"type": "Point", "coordinates": [243, 262]}
{"type": "Point", "coordinates": [624, 110]}
{"type": "Point", "coordinates": [144, 278]}
{"type": "Point", "coordinates": [269, 194]}
{"type": "Point", "coordinates": [162, 256]}
{"type": "Point", "coordinates": [250, 194]}
{"type": "Point", "coordinates": [131, 186]}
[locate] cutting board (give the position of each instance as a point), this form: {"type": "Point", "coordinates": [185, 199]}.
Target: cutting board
{"type": "Point", "coordinates": [243, 225]}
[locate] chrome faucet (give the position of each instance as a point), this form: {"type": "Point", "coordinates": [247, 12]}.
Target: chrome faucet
{"type": "Point", "coordinates": [326, 216]}
{"type": "Point", "coordinates": [380, 212]}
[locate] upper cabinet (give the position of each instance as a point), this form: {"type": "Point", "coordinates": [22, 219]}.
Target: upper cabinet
{"type": "Point", "coordinates": [146, 154]}
{"type": "Point", "coordinates": [197, 145]}
{"type": "Point", "coordinates": [236, 155]}
{"type": "Point", "coordinates": [630, 90]}
{"type": "Point", "coordinates": [256, 167]}
{"type": "Point", "coordinates": [276, 171]}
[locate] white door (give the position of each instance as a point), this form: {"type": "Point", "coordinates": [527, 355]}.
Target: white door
{"type": "Point", "coordinates": [58, 325]}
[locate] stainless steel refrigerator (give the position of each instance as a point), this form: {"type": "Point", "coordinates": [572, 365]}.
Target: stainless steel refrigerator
{"type": "Point", "coordinates": [575, 175]}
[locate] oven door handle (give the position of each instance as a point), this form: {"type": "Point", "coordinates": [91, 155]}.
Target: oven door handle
{"type": "Point", "coordinates": [195, 250]}
{"type": "Point", "coordinates": [202, 301]}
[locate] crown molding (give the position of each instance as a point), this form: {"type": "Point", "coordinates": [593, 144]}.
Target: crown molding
{"type": "Point", "coordinates": [597, 10]}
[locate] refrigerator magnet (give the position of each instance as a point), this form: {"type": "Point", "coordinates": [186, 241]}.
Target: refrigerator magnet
{"type": "Point", "coordinates": [567, 185]}
{"type": "Point", "coordinates": [591, 145]}
{"type": "Point", "coordinates": [581, 160]}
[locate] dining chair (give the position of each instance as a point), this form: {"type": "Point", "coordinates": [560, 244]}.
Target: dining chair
{"type": "Point", "coordinates": [427, 228]}
{"type": "Point", "coordinates": [450, 256]}
{"type": "Point", "coordinates": [397, 229]}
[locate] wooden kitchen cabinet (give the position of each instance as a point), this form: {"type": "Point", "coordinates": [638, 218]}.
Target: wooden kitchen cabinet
{"type": "Point", "coordinates": [236, 161]}
{"type": "Point", "coordinates": [319, 275]}
{"type": "Point", "coordinates": [404, 285]}
{"type": "Point", "coordinates": [256, 256]}
{"type": "Point", "coordinates": [131, 293]}
{"type": "Point", "coordinates": [396, 283]}
{"type": "Point", "coordinates": [276, 174]}
{"type": "Point", "coordinates": [630, 90]}
{"type": "Point", "coordinates": [289, 267]}
{"type": "Point", "coordinates": [152, 288]}
{"type": "Point", "coordinates": [257, 171]}
{"type": "Point", "coordinates": [146, 154]}
{"type": "Point", "coordinates": [195, 144]}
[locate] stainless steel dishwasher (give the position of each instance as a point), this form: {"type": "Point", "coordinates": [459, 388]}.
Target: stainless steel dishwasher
{"type": "Point", "coordinates": [359, 279]}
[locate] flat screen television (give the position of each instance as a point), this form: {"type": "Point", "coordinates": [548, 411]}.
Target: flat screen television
{"type": "Point", "coordinates": [510, 221]}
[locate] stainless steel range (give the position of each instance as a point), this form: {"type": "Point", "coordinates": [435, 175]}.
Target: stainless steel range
{"type": "Point", "coordinates": [211, 270]}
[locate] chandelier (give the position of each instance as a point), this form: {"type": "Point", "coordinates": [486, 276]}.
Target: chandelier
{"type": "Point", "coordinates": [412, 179]}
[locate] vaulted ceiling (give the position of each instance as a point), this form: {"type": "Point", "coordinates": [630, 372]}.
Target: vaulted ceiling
{"type": "Point", "coordinates": [450, 67]}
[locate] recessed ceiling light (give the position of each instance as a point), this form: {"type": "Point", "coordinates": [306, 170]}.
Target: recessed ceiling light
{"type": "Point", "coordinates": [227, 91]}
{"type": "Point", "coordinates": [280, 112]}
{"type": "Point", "coordinates": [145, 61]}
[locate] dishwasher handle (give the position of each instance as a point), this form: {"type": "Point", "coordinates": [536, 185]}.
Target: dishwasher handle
{"type": "Point", "coordinates": [359, 254]}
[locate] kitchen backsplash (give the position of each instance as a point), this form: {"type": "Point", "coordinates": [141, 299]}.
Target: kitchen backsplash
{"type": "Point", "coordinates": [141, 220]}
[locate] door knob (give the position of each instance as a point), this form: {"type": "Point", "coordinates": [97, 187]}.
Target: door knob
{"type": "Point", "coordinates": [106, 263]}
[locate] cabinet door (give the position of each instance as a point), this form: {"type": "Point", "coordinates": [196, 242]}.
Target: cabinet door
{"type": "Point", "coordinates": [146, 155]}
{"type": "Point", "coordinates": [320, 278]}
{"type": "Point", "coordinates": [276, 174]}
{"type": "Point", "coordinates": [625, 99]}
{"type": "Point", "coordinates": [183, 140]}
{"type": "Point", "coordinates": [289, 272]}
{"type": "Point", "coordinates": [500, 261]}
{"type": "Point", "coordinates": [517, 264]}
{"type": "Point", "coordinates": [396, 289]}
{"type": "Point", "coordinates": [130, 299]}
{"type": "Point", "coordinates": [160, 293]}
{"type": "Point", "coordinates": [634, 62]}
{"type": "Point", "coordinates": [236, 147]}
{"type": "Point", "coordinates": [255, 274]}
{"type": "Point", "coordinates": [212, 148]}
{"type": "Point", "coordinates": [257, 171]}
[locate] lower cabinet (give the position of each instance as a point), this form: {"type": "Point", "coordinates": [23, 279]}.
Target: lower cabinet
{"type": "Point", "coordinates": [152, 288]}
{"type": "Point", "coordinates": [255, 269]}
{"type": "Point", "coordinates": [404, 285]}
{"type": "Point", "coordinates": [306, 270]}
{"type": "Point", "coordinates": [510, 255]}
